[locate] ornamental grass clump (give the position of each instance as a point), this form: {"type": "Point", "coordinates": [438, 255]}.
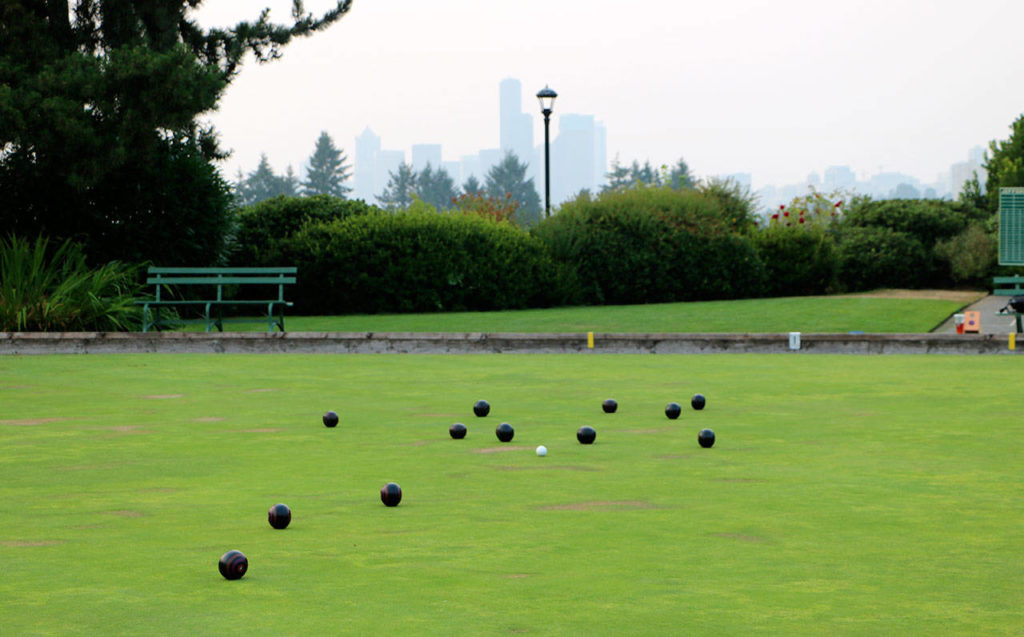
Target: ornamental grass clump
{"type": "Point", "coordinates": [45, 289]}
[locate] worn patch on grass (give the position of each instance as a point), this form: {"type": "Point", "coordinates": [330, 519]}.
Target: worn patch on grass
{"type": "Point", "coordinates": [961, 296]}
{"type": "Point", "coordinates": [599, 504]}
{"type": "Point", "coordinates": [674, 456]}
{"type": "Point", "coordinates": [742, 537]}
{"type": "Point", "coordinates": [456, 416]}
{"type": "Point", "coordinates": [741, 480]}
{"type": "Point", "coordinates": [500, 449]}
{"type": "Point", "coordinates": [124, 513]}
{"type": "Point", "coordinates": [159, 490]}
{"type": "Point", "coordinates": [208, 419]}
{"type": "Point", "coordinates": [163, 396]}
{"type": "Point", "coordinates": [542, 466]}
{"type": "Point", "coordinates": [24, 543]}
{"type": "Point", "coordinates": [652, 430]}
{"type": "Point", "coordinates": [258, 391]}
{"type": "Point", "coordinates": [517, 575]}
{"type": "Point", "coordinates": [261, 430]}
{"type": "Point", "coordinates": [28, 422]}
{"type": "Point", "coordinates": [128, 429]}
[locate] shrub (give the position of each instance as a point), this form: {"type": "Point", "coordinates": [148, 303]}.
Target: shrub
{"type": "Point", "coordinates": [263, 226]}
{"type": "Point", "coordinates": [927, 220]}
{"type": "Point", "coordinates": [418, 261]}
{"type": "Point", "coordinates": [798, 261]}
{"type": "Point", "coordinates": [879, 257]}
{"type": "Point", "coordinates": [651, 244]}
{"type": "Point", "coordinates": [971, 255]}
{"type": "Point", "coordinates": [44, 289]}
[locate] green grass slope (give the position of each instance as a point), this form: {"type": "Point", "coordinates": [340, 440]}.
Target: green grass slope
{"type": "Point", "coordinates": [794, 314]}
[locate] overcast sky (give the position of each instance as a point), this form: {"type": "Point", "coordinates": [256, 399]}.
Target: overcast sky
{"type": "Point", "coordinates": [777, 89]}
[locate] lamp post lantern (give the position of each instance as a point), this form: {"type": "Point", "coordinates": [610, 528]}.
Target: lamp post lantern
{"type": "Point", "coordinates": [546, 96]}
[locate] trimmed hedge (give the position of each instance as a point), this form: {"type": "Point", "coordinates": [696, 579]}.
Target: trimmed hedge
{"type": "Point", "coordinates": [263, 226]}
{"type": "Point", "coordinates": [872, 258]}
{"type": "Point", "coordinates": [797, 260]}
{"type": "Point", "coordinates": [418, 262]}
{"type": "Point", "coordinates": [648, 245]}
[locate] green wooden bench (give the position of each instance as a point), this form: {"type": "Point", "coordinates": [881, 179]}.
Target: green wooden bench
{"type": "Point", "coordinates": [163, 277]}
{"type": "Point", "coordinates": [1009, 286]}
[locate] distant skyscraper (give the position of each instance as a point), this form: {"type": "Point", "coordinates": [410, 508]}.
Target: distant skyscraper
{"type": "Point", "coordinates": [367, 147]}
{"type": "Point", "coordinates": [387, 162]}
{"type": "Point", "coordinates": [423, 154]}
{"type": "Point", "coordinates": [516, 132]}
{"type": "Point", "coordinates": [840, 177]}
{"type": "Point", "coordinates": [573, 157]}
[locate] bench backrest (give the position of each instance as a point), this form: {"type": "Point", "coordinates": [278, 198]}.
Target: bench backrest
{"type": "Point", "coordinates": [1008, 285]}
{"type": "Point", "coordinates": [219, 277]}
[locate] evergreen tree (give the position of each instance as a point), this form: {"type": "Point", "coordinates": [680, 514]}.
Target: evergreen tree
{"type": "Point", "coordinates": [327, 170]}
{"type": "Point", "coordinates": [618, 178]}
{"type": "Point", "coordinates": [645, 174]}
{"type": "Point", "coordinates": [436, 187]}
{"type": "Point", "coordinates": [263, 183]}
{"type": "Point", "coordinates": [401, 185]}
{"type": "Point", "coordinates": [679, 177]}
{"type": "Point", "coordinates": [507, 179]}
{"type": "Point", "coordinates": [472, 186]}
{"type": "Point", "coordinates": [100, 137]}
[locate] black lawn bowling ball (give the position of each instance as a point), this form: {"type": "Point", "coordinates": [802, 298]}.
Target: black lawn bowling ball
{"type": "Point", "coordinates": [609, 406]}
{"type": "Point", "coordinates": [706, 438]}
{"type": "Point", "coordinates": [330, 419]}
{"type": "Point", "coordinates": [457, 431]}
{"type": "Point", "coordinates": [672, 410]}
{"type": "Point", "coordinates": [586, 435]}
{"type": "Point", "coordinates": [481, 408]}
{"type": "Point", "coordinates": [391, 494]}
{"type": "Point", "coordinates": [233, 565]}
{"type": "Point", "coordinates": [504, 432]}
{"type": "Point", "coordinates": [698, 401]}
{"type": "Point", "coordinates": [279, 516]}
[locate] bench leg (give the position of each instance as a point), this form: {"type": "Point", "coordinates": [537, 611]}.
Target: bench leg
{"type": "Point", "coordinates": [145, 318]}
{"type": "Point", "coordinates": [270, 317]}
{"type": "Point", "coordinates": [1019, 328]}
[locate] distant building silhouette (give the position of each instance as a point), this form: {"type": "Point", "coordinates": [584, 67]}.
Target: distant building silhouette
{"type": "Point", "coordinates": [516, 132]}
{"type": "Point", "coordinates": [367, 147]}
{"type": "Point", "coordinates": [423, 154]}
{"type": "Point", "coordinates": [578, 157]}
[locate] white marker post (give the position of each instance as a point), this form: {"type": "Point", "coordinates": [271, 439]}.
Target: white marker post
{"type": "Point", "coordinates": [794, 341]}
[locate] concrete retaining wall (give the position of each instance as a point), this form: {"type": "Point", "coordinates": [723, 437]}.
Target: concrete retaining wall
{"type": "Point", "coordinates": [479, 343]}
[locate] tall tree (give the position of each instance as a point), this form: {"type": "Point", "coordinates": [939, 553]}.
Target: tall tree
{"type": "Point", "coordinates": [507, 179]}
{"type": "Point", "coordinates": [1005, 163]}
{"type": "Point", "coordinates": [472, 186]}
{"type": "Point", "coordinates": [618, 177]}
{"type": "Point", "coordinates": [401, 186]}
{"type": "Point", "coordinates": [327, 171]}
{"type": "Point", "coordinates": [263, 183]}
{"type": "Point", "coordinates": [435, 187]}
{"type": "Point", "coordinates": [679, 177]}
{"type": "Point", "coordinates": [100, 136]}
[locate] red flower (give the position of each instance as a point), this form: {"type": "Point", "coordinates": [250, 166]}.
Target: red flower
{"type": "Point", "coordinates": [782, 207]}
{"type": "Point", "coordinates": [839, 203]}
{"type": "Point", "coordinates": [801, 219]}
{"type": "Point", "coordinates": [785, 214]}
{"type": "Point", "coordinates": [775, 216]}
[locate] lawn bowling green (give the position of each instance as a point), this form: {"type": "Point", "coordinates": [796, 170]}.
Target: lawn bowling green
{"type": "Point", "coordinates": [844, 495]}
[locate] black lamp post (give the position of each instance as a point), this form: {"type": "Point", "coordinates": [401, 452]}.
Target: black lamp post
{"type": "Point", "coordinates": [546, 96]}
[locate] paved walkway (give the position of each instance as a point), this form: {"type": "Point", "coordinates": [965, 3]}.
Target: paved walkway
{"type": "Point", "coordinates": [990, 323]}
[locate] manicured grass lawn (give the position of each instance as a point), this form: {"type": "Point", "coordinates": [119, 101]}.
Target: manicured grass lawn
{"type": "Point", "coordinates": [794, 314]}
{"type": "Point", "coordinates": [845, 495]}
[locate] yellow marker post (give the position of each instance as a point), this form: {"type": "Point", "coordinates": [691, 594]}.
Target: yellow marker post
{"type": "Point", "coordinates": [1013, 341]}
{"type": "Point", "coordinates": [590, 340]}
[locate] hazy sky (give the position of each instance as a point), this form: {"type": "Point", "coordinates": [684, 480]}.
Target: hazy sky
{"type": "Point", "coordinates": [777, 89]}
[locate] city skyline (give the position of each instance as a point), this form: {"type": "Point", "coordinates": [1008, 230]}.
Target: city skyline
{"type": "Point", "coordinates": [772, 89]}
